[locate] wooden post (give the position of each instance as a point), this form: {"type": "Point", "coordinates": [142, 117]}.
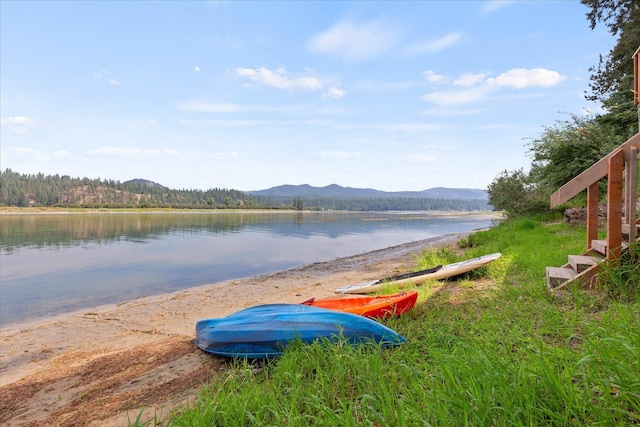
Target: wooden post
{"type": "Point", "coordinates": [614, 206]}
{"type": "Point", "coordinates": [592, 213]}
{"type": "Point", "coordinates": [636, 81]}
{"type": "Point", "coordinates": [632, 191]}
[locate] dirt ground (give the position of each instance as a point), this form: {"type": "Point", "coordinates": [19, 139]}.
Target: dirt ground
{"type": "Point", "coordinates": [103, 366]}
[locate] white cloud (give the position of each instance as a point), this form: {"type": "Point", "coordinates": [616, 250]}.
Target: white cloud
{"type": "Point", "coordinates": [457, 97]}
{"type": "Point", "coordinates": [131, 152]}
{"type": "Point", "coordinates": [26, 154]}
{"type": "Point", "coordinates": [395, 127]}
{"type": "Point", "coordinates": [280, 79]}
{"type": "Point", "coordinates": [18, 125]}
{"type": "Point", "coordinates": [100, 74]}
{"type": "Point", "coordinates": [441, 112]}
{"type": "Point", "coordinates": [224, 122]}
{"type": "Point", "coordinates": [381, 85]}
{"type": "Point", "coordinates": [208, 107]}
{"type": "Point", "coordinates": [143, 124]}
{"type": "Point", "coordinates": [494, 5]}
{"type": "Point", "coordinates": [19, 120]}
{"type": "Point", "coordinates": [411, 127]}
{"type": "Point", "coordinates": [334, 110]}
{"type": "Point", "coordinates": [211, 108]}
{"type": "Point", "coordinates": [469, 79]}
{"type": "Point", "coordinates": [433, 77]}
{"type": "Point", "coordinates": [63, 154]}
{"type": "Point", "coordinates": [420, 158]}
{"type": "Point", "coordinates": [334, 93]}
{"type": "Point", "coordinates": [319, 122]}
{"type": "Point", "coordinates": [355, 42]}
{"type": "Point", "coordinates": [337, 155]}
{"type": "Point", "coordinates": [196, 69]}
{"type": "Point", "coordinates": [520, 78]}
{"type": "Point", "coordinates": [223, 155]}
{"type": "Point", "coordinates": [433, 45]}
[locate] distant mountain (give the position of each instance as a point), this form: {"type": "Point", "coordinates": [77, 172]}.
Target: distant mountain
{"type": "Point", "coordinates": [334, 190]}
{"type": "Point", "coordinates": [144, 182]}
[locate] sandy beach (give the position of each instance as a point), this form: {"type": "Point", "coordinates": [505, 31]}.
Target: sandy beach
{"type": "Point", "coordinates": [102, 366]}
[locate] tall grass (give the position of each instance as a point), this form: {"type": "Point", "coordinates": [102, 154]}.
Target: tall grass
{"type": "Point", "coordinates": [621, 278]}
{"type": "Point", "coordinates": [491, 350]}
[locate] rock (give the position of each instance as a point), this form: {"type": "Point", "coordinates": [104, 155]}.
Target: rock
{"type": "Point", "coordinates": [575, 215]}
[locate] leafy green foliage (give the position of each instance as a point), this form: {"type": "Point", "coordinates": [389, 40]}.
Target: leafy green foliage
{"type": "Point", "coordinates": [622, 18]}
{"type": "Point", "coordinates": [515, 193]}
{"type": "Point", "coordinates": [565, 150]}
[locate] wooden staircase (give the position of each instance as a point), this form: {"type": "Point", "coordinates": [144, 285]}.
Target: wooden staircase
{"type": "Point", "coordinates": [620, 167]}
{"type": "Point", "coordinates": [581, 270]}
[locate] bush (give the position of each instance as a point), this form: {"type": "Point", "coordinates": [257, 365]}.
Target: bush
{"type": "Point", "coordinates": [515, 194]}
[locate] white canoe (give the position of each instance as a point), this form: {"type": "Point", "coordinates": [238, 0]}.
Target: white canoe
{"type": "Point", "coordinates": [436, 273]}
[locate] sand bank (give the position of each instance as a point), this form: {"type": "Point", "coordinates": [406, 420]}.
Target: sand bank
{"type": "Point", "coordinates": [100, 366]}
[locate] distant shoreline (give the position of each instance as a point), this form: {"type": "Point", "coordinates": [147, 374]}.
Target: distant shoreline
{"type": "Point", "coordinates": [9, 210]}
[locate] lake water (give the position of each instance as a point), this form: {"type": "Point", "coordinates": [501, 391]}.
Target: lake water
{"type": "Point", "coordinates": [51, 264]}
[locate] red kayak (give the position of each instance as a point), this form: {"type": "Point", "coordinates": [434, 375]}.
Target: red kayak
{"type": "Point", "coordinates": [378, 306]}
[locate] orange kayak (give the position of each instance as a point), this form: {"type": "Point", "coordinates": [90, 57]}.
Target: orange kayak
{"type": "Point", "coordinates": [378, 306]}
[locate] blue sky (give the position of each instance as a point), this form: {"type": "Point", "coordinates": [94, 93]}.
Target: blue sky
{"type": "Point", "coordinates": [253, 94]}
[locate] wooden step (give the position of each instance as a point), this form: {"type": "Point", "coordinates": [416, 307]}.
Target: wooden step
{"type": "Point", "coordinates": [580, 262]}
{"type": "Point", "coordinates": [586, 279]}
{"type": "Point", "coordinates": [558, 275]}
{"type": "Point", "coordinates": [626, 229]}
{"type": "Point", "coordinates": [599, 246]}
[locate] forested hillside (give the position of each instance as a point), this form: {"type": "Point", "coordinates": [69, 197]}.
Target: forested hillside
{"type": "Point", "coordinates": [389, 203]}
{"type": "Point", "coordinates": [334, 190]}
{"type": "Point", "coordinates": [24, 190]}
{"type": "Point", "coordinates": [55, 190]}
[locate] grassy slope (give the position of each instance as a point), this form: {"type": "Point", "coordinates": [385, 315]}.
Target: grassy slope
{"type": "Point", "coordinates": [495, 349]}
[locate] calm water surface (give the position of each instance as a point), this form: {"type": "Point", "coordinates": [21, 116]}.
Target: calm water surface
{"type": "Point", "coordinates": [50, 264]}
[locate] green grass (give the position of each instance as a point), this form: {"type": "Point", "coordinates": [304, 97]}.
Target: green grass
{"type": "Point", "coordinates": [494, 348]}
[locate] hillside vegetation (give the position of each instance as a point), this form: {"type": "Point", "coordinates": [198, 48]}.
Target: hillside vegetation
{"type": "Point", "coordinates": [24, 190]}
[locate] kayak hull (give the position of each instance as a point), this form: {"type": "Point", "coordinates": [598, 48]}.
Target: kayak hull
{"type": "Point", "coordinates": [376, 307]}
{"type": "Point", "coordinates": [445, 272]}
{"type": "Point", "coordinates": [265, 331]}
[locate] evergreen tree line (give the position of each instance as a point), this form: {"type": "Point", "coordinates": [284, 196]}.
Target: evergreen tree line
{"type": "Point", "coordinates": [24, 190]}
{"type": "Point", "coordinates": [370, 204]}
{"type": "Point", "coordinates": [63, 191]}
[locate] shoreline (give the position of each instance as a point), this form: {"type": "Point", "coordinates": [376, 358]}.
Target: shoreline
{"type": "Point", "coordinates": [102, 343]}
{"type": "Point", "coordinates": [8, 210]}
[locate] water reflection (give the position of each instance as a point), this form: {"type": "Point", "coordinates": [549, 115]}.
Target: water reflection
{"type": "Point", "coordinates": [56, 263]}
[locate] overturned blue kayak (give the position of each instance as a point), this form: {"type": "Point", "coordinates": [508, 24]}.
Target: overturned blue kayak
{"type": "Point", "coordinates": [264, 331]}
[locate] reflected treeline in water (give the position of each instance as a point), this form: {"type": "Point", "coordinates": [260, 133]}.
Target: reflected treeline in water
{"type": "Point", "coordinates": [337, 224]}
{"type": "Point", "coordinates": [65, 230]}
{"type": "Point", "coordinates": [55, 263]}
